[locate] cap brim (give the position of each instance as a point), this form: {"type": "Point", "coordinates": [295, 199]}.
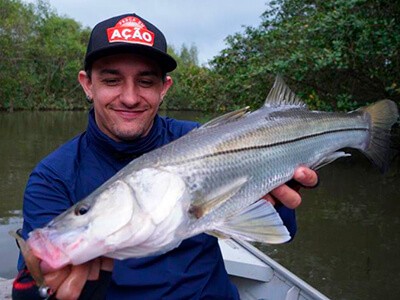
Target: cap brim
{"type": "Point", "coordinates": [165, 61]}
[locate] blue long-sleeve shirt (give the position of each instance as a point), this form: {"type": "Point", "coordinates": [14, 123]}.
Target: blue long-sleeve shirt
{"type": "Point", "coordinates": [194, 270]}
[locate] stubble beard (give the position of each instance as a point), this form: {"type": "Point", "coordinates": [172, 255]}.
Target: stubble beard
{"type": "Point", "coordinates": [131, 134]}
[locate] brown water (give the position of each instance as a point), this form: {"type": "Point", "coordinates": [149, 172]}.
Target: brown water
{"type": "Point", "coordinates": [348, 241]}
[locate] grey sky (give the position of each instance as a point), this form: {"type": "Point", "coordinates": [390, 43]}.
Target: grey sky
{"type": "Point", "coordinates": [204, 23]}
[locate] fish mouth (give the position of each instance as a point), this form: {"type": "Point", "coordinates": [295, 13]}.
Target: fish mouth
{"type": "Point", "coordinates": [45, 250]}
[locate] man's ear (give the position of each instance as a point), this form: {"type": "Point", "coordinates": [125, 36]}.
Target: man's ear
{"type": "Point", "coordinates": [166, 85]}
{"type": "Point", "coordinates": [86, 83]}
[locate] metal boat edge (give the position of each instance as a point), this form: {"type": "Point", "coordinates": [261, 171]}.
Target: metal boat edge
{"type": "Point", "coordinates": [259, 277]}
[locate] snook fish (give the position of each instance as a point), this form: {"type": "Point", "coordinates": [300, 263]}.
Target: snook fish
{"type": "Point", "coordinates": [211, 180]}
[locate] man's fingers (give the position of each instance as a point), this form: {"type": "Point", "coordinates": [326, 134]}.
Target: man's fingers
{"type": "Point", "coordinates": [107, 264]}
{"type": "Point", "coordinates": [306, 177]}
{"type": "Point", "coordinates": [94, 269]}
{"type": "Point", "coordinates": [54, 279]}
{"type": "Point", "coordinates": [101, 263]}
{"type": "Point", "coordinates": [46, 268]}
{"type": "Point", "coordinates": [72, 287]}
{"type": "Point", "coordinates": [289, 197]}
{"type": "Point", "coordinates": [270, 199]}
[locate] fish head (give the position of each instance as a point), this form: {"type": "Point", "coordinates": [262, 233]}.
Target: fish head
{"type": "Point", "coordinates": [140, 212]}
{"type": "Point", "coordinates": [80, 233]}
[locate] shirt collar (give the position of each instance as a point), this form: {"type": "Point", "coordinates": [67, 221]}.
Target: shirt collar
{"type": "Point", "coordinates": [126, 150]}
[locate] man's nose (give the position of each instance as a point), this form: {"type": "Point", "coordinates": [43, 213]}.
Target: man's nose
{"type": "Point", "coordinates": [130, 95]}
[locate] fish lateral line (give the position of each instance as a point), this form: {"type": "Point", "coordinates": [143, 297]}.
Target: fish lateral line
{"type": "Point", "coordinates": [265, 146]}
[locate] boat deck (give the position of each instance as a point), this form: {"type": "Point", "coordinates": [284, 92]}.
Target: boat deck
{"type": "Point", "coordinates": [256, 275]}
{"type": "Point", "coordinates": [5, 288]}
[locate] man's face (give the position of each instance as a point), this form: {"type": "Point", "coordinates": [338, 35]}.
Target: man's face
{"type": "Point", "coordinates": [126, 90]}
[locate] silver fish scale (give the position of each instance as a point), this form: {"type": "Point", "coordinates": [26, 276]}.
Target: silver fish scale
{"type": "Point", "coordinates": [259, 148]}
{"type": "Point", "coordinates": [270, 169]}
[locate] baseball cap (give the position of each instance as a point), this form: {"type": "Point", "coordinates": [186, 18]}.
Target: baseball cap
{"type": "Point", "coordinates": [128, 33]}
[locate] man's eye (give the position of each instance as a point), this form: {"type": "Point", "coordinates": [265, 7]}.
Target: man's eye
{"type": "Point", "coordinates": [111, 81]}
{"type": "Point", "coordinates": [145, 82]}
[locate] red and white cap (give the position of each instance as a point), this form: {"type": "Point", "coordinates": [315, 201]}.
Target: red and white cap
{"type": "Point", "coordinates": [128, 34]}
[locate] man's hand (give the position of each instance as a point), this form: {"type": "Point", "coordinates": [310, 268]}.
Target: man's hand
{"type": "Point", "coordinates": [69, 281]}
{"type": "Point", "coordinates": [289, 196]}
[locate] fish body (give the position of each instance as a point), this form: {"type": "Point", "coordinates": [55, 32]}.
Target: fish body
{"type": "Point", "coordinates": [211, 180]}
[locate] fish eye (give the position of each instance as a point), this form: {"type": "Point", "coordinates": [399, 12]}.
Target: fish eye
{"type": "Point", "coordinates": [81, 209]}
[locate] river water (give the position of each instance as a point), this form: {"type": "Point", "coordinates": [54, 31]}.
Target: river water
{"type": "Point", "coordinates": [348, 240]}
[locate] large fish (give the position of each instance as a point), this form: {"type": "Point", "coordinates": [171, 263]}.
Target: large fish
{"type": "Point", "coordinates": [211, 180]}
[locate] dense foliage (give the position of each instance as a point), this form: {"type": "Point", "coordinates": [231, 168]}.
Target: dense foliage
{"type": "Point", "coordinates": [336, 54]}
{"type": "Point", "coordinates": [41, 53]}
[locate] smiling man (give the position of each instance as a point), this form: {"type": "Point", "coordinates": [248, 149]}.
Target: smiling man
{"type": "Point", "coordinates": [125, 76]}
{"type": "Point", "coordinates": [128, 89]}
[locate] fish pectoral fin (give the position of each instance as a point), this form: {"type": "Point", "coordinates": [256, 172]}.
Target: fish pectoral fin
{"type": "Point", "coordinates": [328, 159]}
{"type": "Point", "coordinates": [218, 234]}
{"type": "Point", "coordinates": [226, 118]}
{"type": "Point", "coordinates": [258, 222]}
{"type": "Point", "coordinates": [213, 200]}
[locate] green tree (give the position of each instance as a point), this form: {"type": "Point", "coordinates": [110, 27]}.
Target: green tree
{"type": "Point", "coordinates": [41, 54]}
{"type": "Point", "coordinates": [189, 90]}
{"type": "Point", "coordinates": [336, 54]}
{"type": "Point", "coordinates": [345, 52]}
{"type": "Point", "coordinates": [59, 48]}
{"type": "Point", "coordinates": [15, 23]}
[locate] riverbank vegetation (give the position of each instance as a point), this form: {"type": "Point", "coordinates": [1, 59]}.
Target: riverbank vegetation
{"type": "Point", "coordinates": [337, 55]}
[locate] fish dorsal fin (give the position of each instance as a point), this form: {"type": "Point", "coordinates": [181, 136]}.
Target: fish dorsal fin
{"type": "Point", "coordinates": [282, 95]}
{"type": "Point", "coordinates": [228, 117]}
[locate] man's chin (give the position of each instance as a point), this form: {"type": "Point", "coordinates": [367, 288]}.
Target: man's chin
{"type": "Point", "coordinates": [130, 134]}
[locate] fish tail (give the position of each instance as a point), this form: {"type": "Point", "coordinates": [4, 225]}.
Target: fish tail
{"type": "Point", "coordinates": [383, 115]}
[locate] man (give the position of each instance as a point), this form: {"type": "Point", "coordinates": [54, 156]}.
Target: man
{"type": "Point", "coordinates": [125, 77]}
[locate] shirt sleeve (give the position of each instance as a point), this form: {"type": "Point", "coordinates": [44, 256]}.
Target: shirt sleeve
{"type": "Point", "coordinates": [288, 217]}
{"type": "Point", "coordinates": [46, 196]}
